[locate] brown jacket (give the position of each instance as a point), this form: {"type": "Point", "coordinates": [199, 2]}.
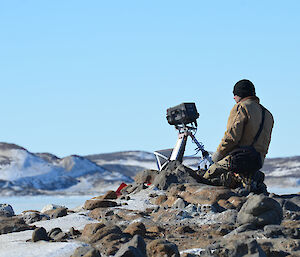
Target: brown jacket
{"type": "Point", "coordinates": [243, 124]}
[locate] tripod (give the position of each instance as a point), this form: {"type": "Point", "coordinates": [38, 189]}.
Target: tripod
{"type": "Point", "coordinates": [163, 157]}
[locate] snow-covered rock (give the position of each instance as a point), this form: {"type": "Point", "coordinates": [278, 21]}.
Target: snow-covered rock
{"type": "Point", "coordinates": [6, 210]}
{"type": "Point", "coordinates": [50, 207]}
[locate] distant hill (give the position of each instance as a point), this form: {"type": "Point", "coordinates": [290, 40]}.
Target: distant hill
{"type": "Point", "coordinates": [22, 172]}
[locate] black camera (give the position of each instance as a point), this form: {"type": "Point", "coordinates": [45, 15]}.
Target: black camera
{"type": "Point", "coordinates": [182, 114]}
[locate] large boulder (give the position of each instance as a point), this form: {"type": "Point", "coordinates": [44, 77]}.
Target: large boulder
{"type": "Point", "coordinates": [40, 234]}
{"type": "Point", "coordinates": [175, 173]}
{"type": "Point", "coordinates": [205, 194]}
{"type": "Point", "coordinates": [109, 195]}
{"type": "Point", "coordinates": [86, 251]}
{"type": "Point", "coordinates": [97, 231]}
{"type": "Point", "coordinates": [146, 176]}
{"type": "Point", "coordinates": [136, 228]}
{"type": "Point", "coordinates": [136, 247]}
{"type": "Point", "coordinates": [260, 210]}
{"type": "Point", "coordinates": [236, 248]}
{"type": "Point", "coordinates": [161, 247]}
{"type": "Point", "coordinates": [90, 229]}
{"type": "Point", "coordinates": [57, 213]}
{"type": "Point", "coordinates": [34, 216]}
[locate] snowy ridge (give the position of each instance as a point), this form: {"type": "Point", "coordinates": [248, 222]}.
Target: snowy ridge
{"type": "Point", "coordinates": [21, 170]}
{"type": "Point", "coordinates": [23, 164]}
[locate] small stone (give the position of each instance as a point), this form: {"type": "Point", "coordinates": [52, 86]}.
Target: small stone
{"type": "Point", "coordinates": [273, 231]}
{"type": "Point", "coordinates": [39, 234]}
{"type": "Point", "coordinates": [93, 204]}
{"type": "Point", "coordinates": [74, 232]}
{"type": "Point", "coordinates": [160, 199]}
{"type": "Point", "coordinates": [53, 232]}
{"type": "Point", "coordinates": [91, 229]}
{"type": "Point", "coordinates": [155, 229]}
{"type": "Point", "coordinates": [179, 204]}
{"type": "Point", "coordinates": [185, 229]}
{"type": "Point", "coordinates": [237, 201]}
{"type": "Point", "coordinates": [57, 213]}
{"type": "Point", "coordinates": [51, 207]}
{"type": "Point", "coordinates": [60, 236]}
{"type": "Point", "coordinates": [225, 204]}
{"type": "Point", "coordinates": [161, 247]}
{"type": "Point", "coordinates": [136, 228]}
{"type": "Point", "coordinates": [86, 251]}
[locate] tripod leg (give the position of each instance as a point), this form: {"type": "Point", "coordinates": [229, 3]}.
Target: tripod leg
{"type": "Point", "coordinates": [178, 151]}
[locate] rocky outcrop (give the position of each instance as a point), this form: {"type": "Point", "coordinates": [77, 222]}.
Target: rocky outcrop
{"type": "Point", "coordinates": [180, 216]}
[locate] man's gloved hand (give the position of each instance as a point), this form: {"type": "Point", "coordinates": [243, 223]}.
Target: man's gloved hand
{"type": "Point", "coordinates": [216, 156]}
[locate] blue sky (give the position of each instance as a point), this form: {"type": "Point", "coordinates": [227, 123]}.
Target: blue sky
{"type": "Point", "coordinates": [86, 77]}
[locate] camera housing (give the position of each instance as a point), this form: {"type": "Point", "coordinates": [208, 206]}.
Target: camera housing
{"type": "Point", "coordinates": [182, 114]}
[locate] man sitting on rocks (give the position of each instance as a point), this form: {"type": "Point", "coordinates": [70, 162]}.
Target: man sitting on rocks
{"type": "Point", "coordinates": [244, 122]}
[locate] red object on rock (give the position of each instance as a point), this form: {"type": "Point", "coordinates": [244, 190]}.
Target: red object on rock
{"type": "Point", "coordinates": [118, 191]}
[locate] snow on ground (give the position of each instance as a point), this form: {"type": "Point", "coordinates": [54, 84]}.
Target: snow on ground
{"type": "Point", "coordinates": [193, 251]}
{"type": "Point", "coordinates": [140, 200]}
{"type": "Point", "coordinates": [14, 244]}
{"type": "Point", "coordinates": [75, 220]}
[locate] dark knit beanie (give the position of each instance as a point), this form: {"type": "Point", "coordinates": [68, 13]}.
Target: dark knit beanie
{"type": "Point", "coordinates": [244, 88]}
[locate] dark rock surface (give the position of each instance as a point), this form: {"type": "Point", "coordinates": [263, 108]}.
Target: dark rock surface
{"type": "Point", "coordinates": [260, 211]}
{"type": "Point", "coordinates": [93, 204]}
{"type": "Point", "coordinates": [40, 234]}
{"type": "Point", "coordinates": [13, 224]}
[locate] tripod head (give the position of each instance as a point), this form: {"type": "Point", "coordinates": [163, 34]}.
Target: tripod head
{"type": "Point", "coordinates": [182, 128]}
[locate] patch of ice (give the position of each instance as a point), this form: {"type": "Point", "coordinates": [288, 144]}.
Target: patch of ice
{"type": "Point", "coordinates": [49, 207]}
{"type": "Point", "coordinates": [196, 251]}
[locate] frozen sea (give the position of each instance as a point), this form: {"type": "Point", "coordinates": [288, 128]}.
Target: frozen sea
{"type": "Point", "coordinates": [22, 203]}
